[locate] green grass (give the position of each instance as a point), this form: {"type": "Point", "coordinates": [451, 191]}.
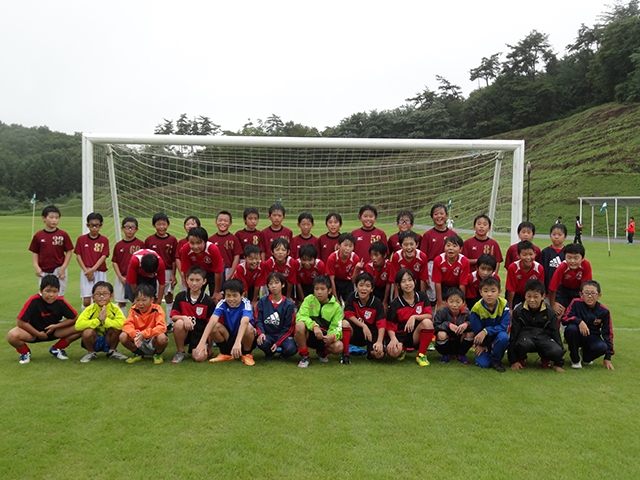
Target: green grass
{"type": "Point", "coordinates": [108, 419]}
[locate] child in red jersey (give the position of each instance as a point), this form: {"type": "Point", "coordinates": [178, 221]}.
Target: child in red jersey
{"type": "Point", "coordinates": [480, 243]}
{"type": "Point", "coordinates": [227, 243]}
{"type": "Point", "coordinates": [432, 243]}
{"type": "Point", "coordinates": [146, 267]}
{"type": "Point", "coordinates": [249, 235]}
{"type": "Point", "coordinates": [166, 246]}
{"type": "Point", "coordinates": [92, 250]}
{"type": "Point", "coordinates": [410, 258]}
{"type": "Point", "coordinates": [200, 251]}
{"type": "Point", "coordinates": [282, 262]}
{"type": "Point", "coordinates": [122, 252]}
{"type": "Point", "coordinates": [40, 320]}
{"type": "Point", "coordinates": [404, 220]}
{"type": "Point", "coordinates": [273, 231]}
{"type": "Point", "coordinates": [305, 224]}
{"type": "Point", "coordinates": [409, 319]}
{"type": "Point", "coordinates": [631, 230]}
{"type": "Point", "coordinates": [521, 271]}
{"type": "Point", "coordinates": [310, 268]}
{"type": "Point", "coordinates": [341, 265]}
{"type": "Point", "coordinates": [189, 223]}
{"type": "Point", "coordinates": [378, 268]}
{"type": "Point", "coordinates": [566, 281]}
{"type": "Point", "coordinates": [51, 248]}
{"type": "Point", "coordinates": [251, 271]}
{"type": "Point", "coordinates": [454, 335]}
{"type": "Point", "coordinates": [486, 267]}
{"type": "Point", "coordinates": [329, 241]}
{"type": "Point", "coordinates": [368, 233]}
{"type": "Point", "coordinates": [450, 269]}
{"type": "Point", "coordinates": [526, 231]}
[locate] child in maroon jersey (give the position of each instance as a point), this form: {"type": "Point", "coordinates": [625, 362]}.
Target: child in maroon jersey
{"type": "Point", "coordinates": [51, 248]}
{"type": "Point", "coordinates": [310, 268]}
{"type": "Point", "coordinates": [92, 250]}
{"type": "Point", "coordinates": [566, 281]}
{"type": "Point", "coordinates": [404, 220]}
{"type": "Point", "coordinates": [305, 224]}
{"type": "Point", "coordinates": [329, 241]}
{"type": "Point", "coordinates": [480, 243]}
{"type": "Point", "coordinates": [450, 269]}
{"type": "Point", "coordinates": [251, 271]}
{"type": "Point", "coordinates": [189, 223]}
{"type": "Point", "coordinates": [227, 243]}
{"type": "Point", "coordinates": [368, 233]}
{"type": "Point", "coordinates": [520, 271]}
{"type": "Point", "coordinates": [122, 252]}
{"type": "Point", "coordinates": [166, 246]}
{"type": "Point", "coordinates": [432, 243]}
{"type": "Point", "coordinates": [249, 235]}
{"type": "Point", "coordinates": [282, 262]}
{"type": "Point", "coordinates": [275, 230]}
{"type": "Point", "coordinates": [341, 266]}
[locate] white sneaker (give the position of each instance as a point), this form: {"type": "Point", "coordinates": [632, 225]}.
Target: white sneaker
{"type": "Point", "coordinates": [577, 366]}
{"type": "Point", "coordinates": [25, 358]}
{"type": "Point", "coordinates": [88, 357]}
{"type": "Point", "coordinates": [115, 354]}
{"type": "Point", "coordinates": [59, 353]}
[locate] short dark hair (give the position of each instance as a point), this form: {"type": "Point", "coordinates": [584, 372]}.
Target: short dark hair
{"type": "Point", "coordinates": [250, 211]}
{"type": "Point", "coordinates": [194, 218]}
{"type": "Point", "coordinates": [251, 249]}
{"type": "Point", "coordinates": [488, 260]}
{"type": "Point", "coordinates": [408, 234]}
{"type": "Point", "coordinates": [405, 213]}
{"type": "Point", "coordinates": [401, 274]}
{"type": "Point", "coordinates": [198, 232]}
{"type": "Point", "coordinates": [305, 216]}
{"type": "Point", "coordinates": [525, 245]}
{"type": "Point", "coordinates": [158, 217]}
{"type": "Point", "coordinates": [233, 285]}
{"type": "Point", "coordinates": [369, 208]}
{"type": "Point", "coordinates": [592, 283]}
{"type": "Point", "coordinates": [486, 217]}
{"type": "Point", "coordinates": [378, 247]}
{"type": "Point", "coordinates": [130, 220]}
{"type": "Point", "coordinates": [454, 239]}
{"type": "Point", "coordinates": [278, 276]}
{"type": "Point", "coordinates": [574, 248]}
{"type": "Point", "coordinates": [528, 225]}
{"type": "Point", "coordinates": [337, 216]}
{"type": "Point", "coordinates": [94, 216]}
{"type": "Point", "coordinates": [280, 241]}
{"type": "Point", "coordinates": [149, 262]}
{"type": "Point", "coordinates": [343, 237]}
{"type": "Point", "coordinates": [308, 251]}
{"type": "Point", "coordinates": [102, 284]}
{"type": "Point", "coordinates": [365, 277]}
{"type": "Point", "coordinates": [436, 207]}
{"type": "Point", "coordinates": [49, 281]}
{"type": "Point", "coordinates": [323, 279]}
{"type": "Point", "coordinates": [534, 285]}
{"type": "Point", "coordinates": [224, 212]}
{"type": "Point", "coordinates": [196, 270]}
{"type": "Point", "coordinates": [489, 282]}
{"type": "Point", "coordinates": [53, 209]}
{"type": "Point", "coordinates": [558, 226]}
{"type": "Point", "coordinates": [144, 290]}
{"type": "Point", "coordinates": [275, 208]}
{"type": "Point", "coordinates": [454, 291]}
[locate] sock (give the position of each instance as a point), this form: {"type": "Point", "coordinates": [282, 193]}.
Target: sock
{"type": "Point", "coordinates": [23, 350]}
{"type": "Point", "coordinates": [322, 352]}
{"type": "Point", "coordinates": [425, 339]}
{"type": "Point", "coordinates": [465, 345]}
{"type": "Point", "coordinates": [168, 310]}
{"type": "Point", "coordinates": [123, 309]}
{"type": "Point", "coordinates": [61, 344]}
{"type": "Point", "coordinates": [303, 351]}
{"type": "Point", "coordinates": [346, 338]}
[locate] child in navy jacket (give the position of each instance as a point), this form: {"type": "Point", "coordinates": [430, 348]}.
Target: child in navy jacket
{"type": "Point", "coordinates": [275, 321]}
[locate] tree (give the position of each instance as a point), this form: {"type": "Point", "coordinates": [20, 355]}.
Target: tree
{"type": "Point", "coordinates": [620, 11]}
{"type": "Point", "coordinates": [489, 69]}
{"type": "Point", "coordinates": [165, 128]}
{"type": "Point", "coordinates": [527, 55]}
{"type": "Point", "coordinates": [183, 125]}
{"type": "Point", "coordinates": [423, 99]}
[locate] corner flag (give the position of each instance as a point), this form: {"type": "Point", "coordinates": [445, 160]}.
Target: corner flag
{"type": "Point", "coordinates": [449, 205]}
{"type": "Point", "coordinates": [33, 199]}
{"type": "Point", "coordinates": [604, 207]}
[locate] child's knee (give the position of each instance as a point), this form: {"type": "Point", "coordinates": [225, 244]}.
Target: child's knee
{"type": "Point", "coordinates": [442, 336]}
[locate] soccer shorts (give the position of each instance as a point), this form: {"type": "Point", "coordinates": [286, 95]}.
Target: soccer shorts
{"type": "Point", "coordinates": [86, 286]}
{"type": "Point", "coordinates": [431, 291]}
{"type": "Point", "coordinates": [147, 346]}
{"type": "Point", "coordinates": [63, 283]}
{"type": "Point", "coordinates": [345, 288]}
{"type": "Point", "coordinates": [358, 339]}
{"type": "Point", "coordinates": [564, 295]}
{"type": "Point", "coordinates": [406, 339]}
{"type": "Point", "coordinates": [168, 288]}
{"type": "Point", "coordinates": [226, 346]}
{"type": "Point", "coordinates": [122, 293]}
{"type": "Point", "coordinates": [194, 336]}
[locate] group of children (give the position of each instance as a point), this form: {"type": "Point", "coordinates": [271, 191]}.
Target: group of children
{"type": "Point", "coordinates": [285, 294]}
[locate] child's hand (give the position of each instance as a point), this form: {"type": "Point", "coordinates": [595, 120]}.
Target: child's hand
{"type": "Point", "coordinates": [479, 338]}
{"type": "Point", "coordinates": [385, 305]}
{"type": "Point", "coordinates": [89, 275]}
{"type": "Point", "coordinates": [559, 309]}
{"type": "Point", "coordinates": [173, 280]}
{"type": "Point", "coordinates": [102, 316]}
{"type": "Point", "coordinates": [517, 366]}
{"type": "Point", "coordinates": [584, 330]}
{"type": "Point", "coordinates": [480, 350]}
{"type": "Point", "coordinates": [411, 324]}
{"type": "Point", "coordinates": [137, 341]}
{"type": "Point", "coordinates": [377, 347]}
{"type": "Point", "coordinates": [360, 265]}
{"type": "Point", "coordinates": [62, 273]}
{"type": "Point", "coordinates": [49, 329]}
{"type": "Point", "coordinates": [317, 332]}
{"type": "Point", "coordinates": [327, 339]}
{"type": "Point", "coordinates": [261, 338]}
{"type": "Point", "coordinates": [217, 296]}
{"type": "Point", "coordinates": [236, 351]}
{"type": "Point", "coordinates": [367, 333]}
{"type": "Point", "coordinates": [274, 347]}
{"type": "Point", "coordinates": [42, 335]}
{"type": "Point", "coordinates": [608, 365]}
{"type": "Point", "coordinates": [188, 323]}
{"type": "Point", "coordinates": [38, 272]}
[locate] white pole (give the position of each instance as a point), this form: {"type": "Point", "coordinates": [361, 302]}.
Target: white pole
{"type": "Point", "coordinates": [615, 220]}
{"type": "Point", "coordinates": [606, 214]}
{"type": "Point", "coordinates": [33, 217]}
{"type": "Point", "coordinates": [592, 220]}
{"type": "Point", "coordinates": [114, 196]}
{"type": "Point", "coordinates": [87, 180]}
{"type": "Point", "coordinates": [516, 190]}
{"type": "Point", "coordinates": [494, 191]}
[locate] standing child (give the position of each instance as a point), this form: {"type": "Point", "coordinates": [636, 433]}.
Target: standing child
{"type": "Point", "coordinates": [122, 253]}
{"type": "Point", "coordinates": [411, 258]}
{"type": "Point", "coordinates": [368, 233]}
{"type": "Point", "coordinates": [409, 320]}
{"type": "Point", "coordinates": [166, 246]}
{"type": "Point", "coordinates": [251, 272]}
{"type": "Point", "coordinates": [40, 320]}
{"type": "Point", "coordinates": [486, 267]}
{"type": "Point", "coordinates": [92, 250]}
{"type": "Point", "coordinates": [51, 248]}
{"type": "Point", "coordinates": [310, 268]}
{"type": "Point", "coordinates": [452, 325]}
{"type": "Point", "coordinates": [553, 255]}
{"type": "Point", "coordinates": [341, 266]}
{"type": "Point", "coordinates": [329, 241]}
{"type": "Point", "coordinates": [305, 224]}
{"type": "Point", "coordinates": [432, 243]}
{"type": "Point", "coordinates": [227, 243]}
{"type": "Point", "coordinates": [275, 323]}
{"type": "Point", "coordinates": [189, 223]}
{"type": "Point", "coordinates": [480, 243]}
{"type": "Point", "coordinates": [526, 231]}
{"type": "Point", "coordinates": [631, 229]}
{"type": "Point", "coordinates": [282, 262]}
{"type": "Point", "coordinates": [249, 235]}
{"type": "Point", "coordinates": [146, 267]}
{"type": "Point", "coordinates": [404, 220]}
{"type": "Point", "coordinates": [200, 251]}
{"type": "Point", "coordinates": [578, 237]}
{"type": "Point", "coordinates": [450, 269]}
{"type": "Point", "coordinates": [566, 280]}
{"type": "Point", "coordinates": [521, 271]}
{"type": "Point", "coordinates": [275, 230]}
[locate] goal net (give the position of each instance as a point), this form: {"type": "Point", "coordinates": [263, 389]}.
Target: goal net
{"type": "Point", "coordinates": [191, 175]}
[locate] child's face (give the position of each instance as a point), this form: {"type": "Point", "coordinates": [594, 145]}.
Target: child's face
{"type": "Point", "coordinates": [305, 227]}
{"type": "Point", "coordinates": [574, 260]}
{"type": "Point", "coordinates": [452, 249]}
{"type": "Point", "coordinates": [253, 261]}
{"type": "Point", "coordinates": [51, 220]}
{"type": "Point", "coordinates": [534, 299]}
{"type": "Point", "coordinates": [481, 228]}
{"type": "Point", "coordinates": [527, 256]}
{"type": "Point", "coordinates": [223, 222]}
{"type": "Point", "coordinates": [276, 218]}
{"type": "Point", "coordinates": [143, 303]}
{"type": "Point", "coordinates": [405, 224]}
{"type": "Point", "coordinates": [233, 299]}
{"type": "Point", "coordinates": [49, 294]}
{"type": "Point", "coordinates": [197, 245]}
{"type": "Point", "coordinates": [189, 224]}
{"type": "Point", "coordinates": [333, 225]}
{"type": "Point", "coordinates": [439, 217]}
{"type": "Point", "coordinates": [367, 218]}
{"type": "Point", "coordinates": [377, 259]}
{"type": "Point", "coordinates": [321, 292]}
{"type": "Point", "coordinates": [102, 296]}
{"type": "Point", "coordinates": [407, 284]}
{"type": "Point", "coordinates": [346, 248]}
{"type": "Point", "coordinates": [490, 294]}
{"type": "Point", "coordinates": [409, 247]}
{"type": "Point", "coordinates": [307, 262]}
{"type": "Point", "coordinates": [94, 228]}
{"type": "Point", "coordinates": [275, 287]}
{"type": "Point", "coordinates": [557, 238]}
{"type": "Point", "coordinates": [455, 303]}
{"type": "Point", "coordinates": [195, 282]}
{"type": "Point", "coordinates": [251, 221]}
{"type": "Point", "coordinates": [280, 253]}
{"type": "Point", "coordinates": [525, 234]}
{"type": "Point", "coordinates": [129, 229]}
{"type": "Point", "coordinates": [590, 295]}
{"type": "Point", "coordinates": [364, 289]}
{"type": "Point", "coordinates": [161, 227]}
{"type": "Point", "coordinates": [484, 271]}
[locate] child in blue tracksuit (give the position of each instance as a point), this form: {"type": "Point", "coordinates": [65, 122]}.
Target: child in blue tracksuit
{"type": "Point", "coordinates": [490, 319]}
{"type": "Point", "coordinates": [275, 323]}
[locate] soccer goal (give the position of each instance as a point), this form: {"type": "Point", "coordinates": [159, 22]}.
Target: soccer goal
{"type": "Point", "coordinates": [140, 175]}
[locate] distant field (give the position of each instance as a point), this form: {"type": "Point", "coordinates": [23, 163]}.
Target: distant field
{"type": "Point", "coordinates": [388, 420]}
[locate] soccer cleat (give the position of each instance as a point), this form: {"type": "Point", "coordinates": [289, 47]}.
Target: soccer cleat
{"type": "Point", "coordinates": [463, 359]}
{"type": "Point", "coordinates": [421, 359]}
{"type": "Point", "coordinates": [588, 363]}
{"type": "Point", "coordinates": [323, 358]}
{"type": "Point", "coordinates": [401, 356]}
{"type": "Point", "coordinates": [445, 359]}
{"type": "Point", "coordinates": [304, 361]}
{"type": "Point", "coordinates": [498, 367]}
{"type": "Point", "coordinates": [546, 364]}
{"type": "Point", "coordinates": [432, 346]}
{"type": "Point", "coordinates": [116, 355]}
{"type": "Point", "coordinates": [577, 365]}
{"type": "Point", "coordinates": [345, 359]}
{"type": "Point", "coordinates": [134, 358]}
{"type": "Point", "coordinates": [178, 357]}
{"type": "Point", "coordinates": [157, 358]}
{"type": "Point", "coordinates": [169, 328]}
{"type": "Point", "coordinates": [222, 357]}
{"type": "Point", "coordinates": [248, 359]}
{"type": "Point", "coordinates": [25, 358]}
{"type": "Point", "coordinates": [88, 357]}
{"type": "Point", "coordinates": [59, 353]}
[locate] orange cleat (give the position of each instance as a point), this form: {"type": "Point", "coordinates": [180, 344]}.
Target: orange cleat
{"type": "Point", "coordinates": [221, 358]}
{"type": "Point", "coordinates": [248, 359]}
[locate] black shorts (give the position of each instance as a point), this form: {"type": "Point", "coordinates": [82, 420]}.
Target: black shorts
{"type": "Point", "coordinates": [307, 289]}
{"type": "Point", "coordinates": [564, 295]}
{"type": "Point", "coordinates": [406, 339]}
{"type": "Point", "coordinates": [225, 347]}
{"type": "Point", "coordinates": [345, 288]}
{"type": "Point", "coordinates": [357, 336]}
{"type": "Point", "coordinates": [379, 292]}
{"type": "Point", "coordinates": [153, 281]}
{"type": "Point", "coordinates": [50, 338]}
{"type": "Point", "coordinates": [194, 336]}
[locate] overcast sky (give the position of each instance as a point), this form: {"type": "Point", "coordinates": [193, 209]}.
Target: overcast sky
{"type": "Point", "coordinates": [122, 66]}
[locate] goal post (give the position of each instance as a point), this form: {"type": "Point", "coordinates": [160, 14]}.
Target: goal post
{"type": "Point", "coordinates": [185, 175]}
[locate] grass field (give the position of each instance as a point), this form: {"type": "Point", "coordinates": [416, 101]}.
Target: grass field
{"type": "Point", "coordinates": [107, 419]}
